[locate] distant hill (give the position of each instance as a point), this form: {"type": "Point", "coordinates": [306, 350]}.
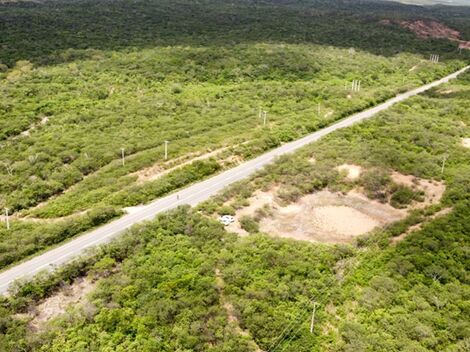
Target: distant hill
{"type": "Point", "coordinates": [435, 2]}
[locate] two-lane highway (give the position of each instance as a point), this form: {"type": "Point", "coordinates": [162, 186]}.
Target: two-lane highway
{"type": "Point", "coordinates": [191, 195]}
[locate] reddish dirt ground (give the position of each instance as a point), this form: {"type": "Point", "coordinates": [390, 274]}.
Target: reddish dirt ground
{"type": "Point", "coordinates": [431, 29]}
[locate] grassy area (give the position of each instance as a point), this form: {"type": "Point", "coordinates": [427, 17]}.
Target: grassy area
{"type": "Point", "coordinates": [160, 289]}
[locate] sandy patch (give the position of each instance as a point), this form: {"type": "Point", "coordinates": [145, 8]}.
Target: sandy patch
{"type": "Point", "coordinates": [257, 201]}
{"type": "Point", "coordinates": [58, 303]}
{"type": "Point", "coordinates": [329, 217]}
{"type": "Point", "coordinates": [26, 133]}
{"type": "Point", "coordinates": [466, 142]}
{"type": "Point", "coordinates": [446, 91]}
{"type": "Point", "coordinates": [329, 113]}
{"type": "Point", "coordinates": [231, 160]}
{"type": "Point", "coordinates": [132, 210]}
{"type": "Point", "coordinates": [158, 170]}
{"type": "Point", "coordinates": [433, 190]}
{"type": "Point", "coordinates": [432, 29]}
{"type": "Point", "coordinates": [352, 171]}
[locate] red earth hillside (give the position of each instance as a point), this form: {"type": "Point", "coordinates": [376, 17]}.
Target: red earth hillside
{"type": "Point", "coordinates": [431, 29]}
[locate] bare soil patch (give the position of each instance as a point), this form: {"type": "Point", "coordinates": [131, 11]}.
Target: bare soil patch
{"type": "Point", "coordinates": [57, 304]}
{"type": "Point", "coordinates": [257, 201]}
{"type": "Point", "coordinates": [446, 91]}
{"type": "Point", "coordinates": [466, 142]}
{"type": "Point", "coordinates": [352, 171]}
{"type": "Point", "coordinates": [158, 170]}
{"type": "Point", "coordinates": [431, 29]}
{"type": "Point", "coordinates": [329, 217]}
{"type": "Point", "coordinates": [333, 217]}
{"type": "Point", "coordinates": [433, 190]}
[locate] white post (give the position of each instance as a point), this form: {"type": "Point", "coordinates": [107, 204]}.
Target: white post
{"type": "Point", "coordinates": [259, 113]}
{"type": "Point", "coordinates": [7, 218]}
{"type": "Point", "coordinates": [312, 321]}
{"type": "Point", "coordinates": [264, 117]}
{"type": "Point", "coordinates": [358, 86]}
{"type": "Point", "coordinates": [166, 150]}
{"type": "Point", "coordinates": [318, 109]}
{"type": "Point", "coordinates": [122, 156]}
{"type": "Point", "coordinates": [443, 163]}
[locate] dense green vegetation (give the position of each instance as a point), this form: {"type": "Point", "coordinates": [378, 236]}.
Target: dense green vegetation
{"type": "Point", "coordinates": [80, 80]}
{"type": "Point", "coordinates": [157, 287]}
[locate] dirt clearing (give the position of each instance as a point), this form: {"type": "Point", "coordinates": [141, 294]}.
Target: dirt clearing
{"type": "Point", "coordinates": [431, 29]}
{"type": "Point", "coordinates": [57, 304]}
{"type": "Point", "coordinates": [158, 170]}
{"type": "Point", "coordinates": [433, 190]}
{"type": "Point", "coordinates": [329, 217]}
{"type": "Point", "coordinates": [466, 142]}
{"type": "Point", "coordinates": [257, 201]}
{"type": "Point", "coordinates": [352, 171]}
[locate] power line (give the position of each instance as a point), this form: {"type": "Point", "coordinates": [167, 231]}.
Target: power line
{"type": "Point", "coordinates": [286, 334]}
{"type": "Point", "coordinates": [289, 327]}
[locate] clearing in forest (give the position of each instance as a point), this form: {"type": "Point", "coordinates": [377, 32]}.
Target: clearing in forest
{"type": "Point", "coordinates": [58, 303]}
{"type": "Point", "coordinates": [329, 217]}
{"type": "Point", "coordinates": [352, 171]}
{"type": "Point", "coordinates": [332, 217]}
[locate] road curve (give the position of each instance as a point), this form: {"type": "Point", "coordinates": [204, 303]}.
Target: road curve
{"type": "Point", "coordinates": [191, 195]}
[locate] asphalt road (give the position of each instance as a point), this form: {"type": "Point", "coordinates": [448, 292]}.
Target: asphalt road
{"type": "Point", "coordinates": [191, 195]}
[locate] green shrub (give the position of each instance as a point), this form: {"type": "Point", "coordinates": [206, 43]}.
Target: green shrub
{"type": "Point", "coordinates": [249, 224]}
{"type": "Point", "coordinates": [402, 196]}
{"type": "Point", "coordinates": [226, 210]}
{"type": "Point", "coordinates": [375, 183]}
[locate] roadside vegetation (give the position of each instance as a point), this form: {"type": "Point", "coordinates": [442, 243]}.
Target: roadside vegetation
{"type": "Point", "coordinates": [159, 287]}
{"type": "Point", "coordinates": [91, 78]}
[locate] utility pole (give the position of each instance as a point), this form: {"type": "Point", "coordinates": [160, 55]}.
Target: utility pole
{"type": "Point", "coordinates": [7, 218]}
{"type": "Point", "coordinates": [122, 156]}
{"type": "Point", "coordinates": [444, 162]}
{"type": "Point", "coordinates": [312, 321]}
{"type": "Point", "coordinates": [166, 150]}
{"type": "Point", "coordinates": [356, 85]}
{"type": "Point", "coordinates": [264, 117]}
